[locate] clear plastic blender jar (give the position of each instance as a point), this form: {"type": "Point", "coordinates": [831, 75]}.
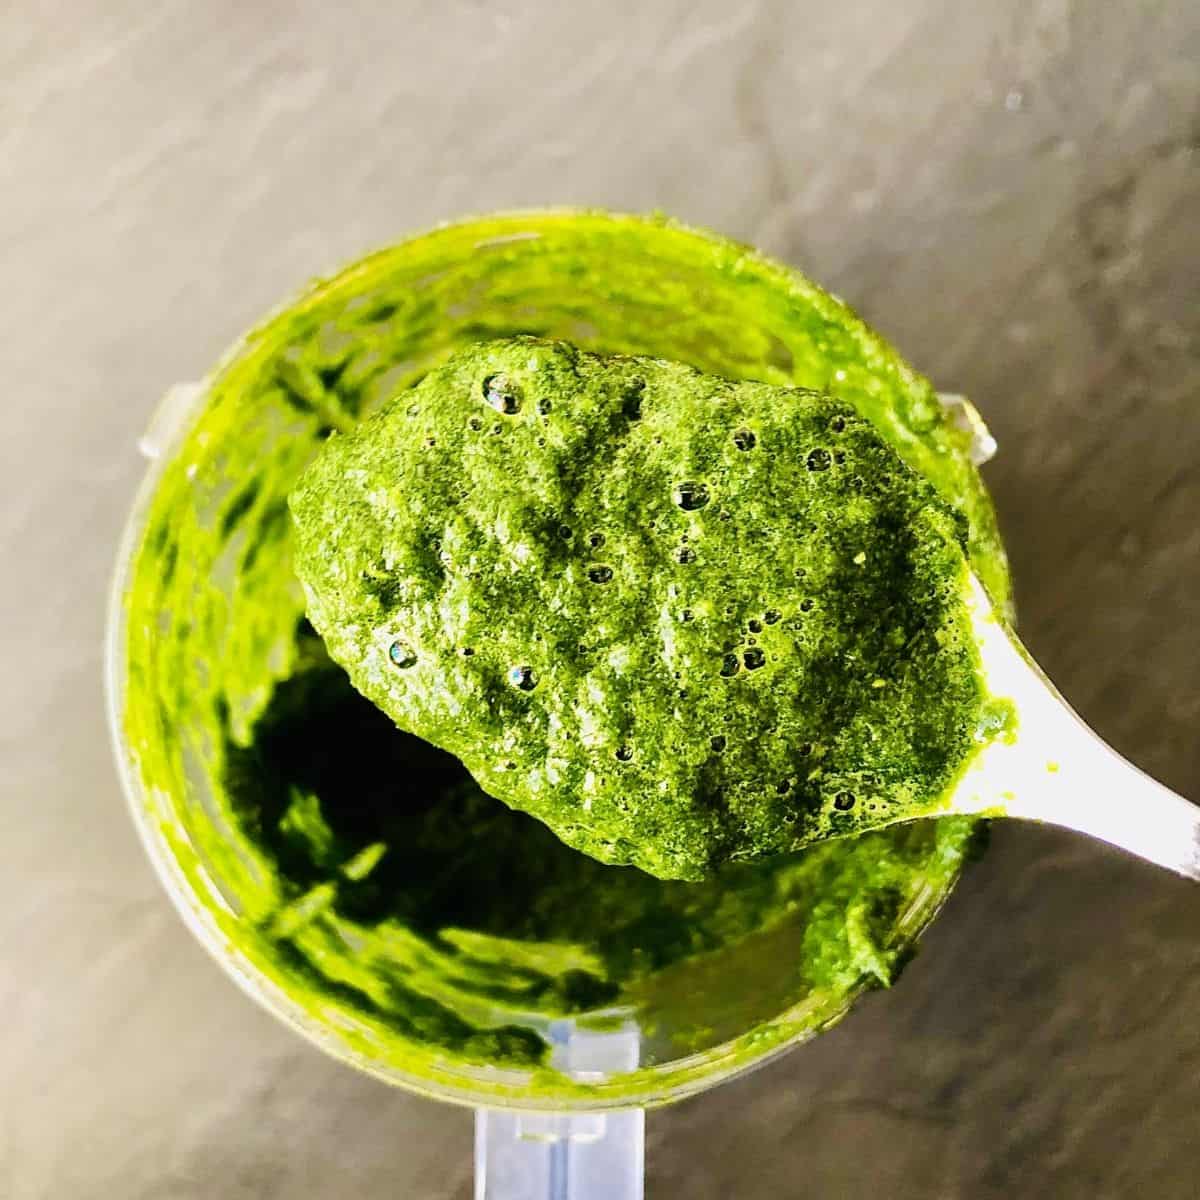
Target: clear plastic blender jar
{"type": "Point", "coordinates": [206, 634]}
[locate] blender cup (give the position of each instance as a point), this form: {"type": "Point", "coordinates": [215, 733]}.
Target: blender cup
{"type": "Point", "coordinates": [203, 633]}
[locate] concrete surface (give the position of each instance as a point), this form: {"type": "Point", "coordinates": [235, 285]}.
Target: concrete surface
{"type": "Point", "coordinates": [1011, 191]}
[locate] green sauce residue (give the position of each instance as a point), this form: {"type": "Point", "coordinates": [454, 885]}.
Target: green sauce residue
{"type": "Point", "coordinates": [681, 620]}
{"type": "Point", "coordinates": [472, 906]}
{"type": "Point", "coordinates": [357, 876]}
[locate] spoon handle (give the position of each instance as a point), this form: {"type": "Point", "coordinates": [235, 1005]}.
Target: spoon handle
{"type": "Point", "coordinates": [1097, 792]}
{"type": "Point", "coordinates": [1057, 770]}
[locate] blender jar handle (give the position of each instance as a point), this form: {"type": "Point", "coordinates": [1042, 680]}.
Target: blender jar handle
{"type": "Point", "coordinates": [567, 1155]}
{"type": "Point", "coordinates": [559, 1156]}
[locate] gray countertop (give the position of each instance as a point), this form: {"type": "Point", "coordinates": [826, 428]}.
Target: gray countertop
{"type": "Point", "coordinates": [1010, 191]}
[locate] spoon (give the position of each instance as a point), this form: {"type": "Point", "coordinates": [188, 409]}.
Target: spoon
{"type": "Point", "coordinates": [1057, 770]}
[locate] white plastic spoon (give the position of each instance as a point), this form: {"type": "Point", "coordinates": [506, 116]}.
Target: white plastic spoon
{"type": "Point", "coordinates": [1056, 770]}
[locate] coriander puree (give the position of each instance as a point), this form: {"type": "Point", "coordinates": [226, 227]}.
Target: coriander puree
{"type": "Point", "coordinates": [355, 876]}
{"type": "Point", "coordinates": [684, 621]}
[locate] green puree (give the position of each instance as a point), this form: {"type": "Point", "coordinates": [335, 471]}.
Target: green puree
{"type": "Point", "coordinates": [681, 620]}
{"type": "Point", "coordinates": [357, 876]}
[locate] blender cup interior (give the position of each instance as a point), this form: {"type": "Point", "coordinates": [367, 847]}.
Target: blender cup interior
{"type": "Point", "coordinates": [353, 878]}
